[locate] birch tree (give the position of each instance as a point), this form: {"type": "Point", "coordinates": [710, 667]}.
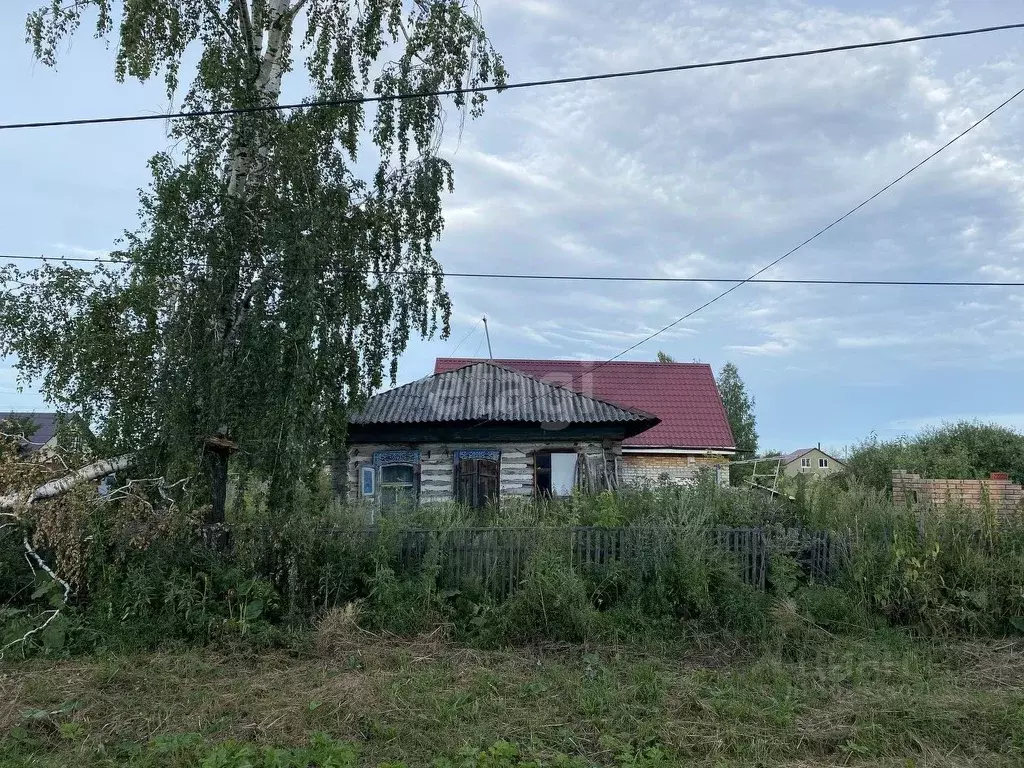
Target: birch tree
{"type": "Point", "coordinates": [283, 258]}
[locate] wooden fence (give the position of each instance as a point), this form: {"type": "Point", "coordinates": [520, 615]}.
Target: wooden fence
{"type": "Point", "coordinates": [497, 558]}
{"type": "Point", "coordinates": [822, 554]}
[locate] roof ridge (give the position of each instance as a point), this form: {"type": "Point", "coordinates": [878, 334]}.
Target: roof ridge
{"type": "Point", "coordinates": [597, 363]}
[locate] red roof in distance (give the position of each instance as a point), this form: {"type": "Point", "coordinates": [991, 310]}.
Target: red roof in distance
{"type": "Point", "coordinates": [683, 395]}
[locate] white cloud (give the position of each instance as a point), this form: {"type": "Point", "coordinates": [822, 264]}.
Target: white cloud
{"type": "Point", "coordinates": [62, 249]}
{"type": "Point", "coordinates": [1013, 420]}
{"type": "Point", "coordinates": [773, 348]}
{"type": "Point", "coordinates": [869, 342]}
{"type": "Point", "coordinates": [715, 173]}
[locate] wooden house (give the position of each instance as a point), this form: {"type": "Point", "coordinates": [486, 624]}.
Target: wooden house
{"type": "Point", "coordinates": [483, 431]}
{"type": "Point", "coordinates": [692, 433]}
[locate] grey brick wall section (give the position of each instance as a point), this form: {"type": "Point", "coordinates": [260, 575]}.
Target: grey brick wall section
{"type": "Point", "coordinates": [1003, 498]}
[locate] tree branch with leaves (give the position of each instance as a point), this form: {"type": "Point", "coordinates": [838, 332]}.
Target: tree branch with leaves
{"type": "Point", "coordinates": [283, 259]}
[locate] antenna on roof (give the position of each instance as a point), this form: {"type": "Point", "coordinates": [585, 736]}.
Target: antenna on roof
{"type": "Point", "coordinates": [487, 333]}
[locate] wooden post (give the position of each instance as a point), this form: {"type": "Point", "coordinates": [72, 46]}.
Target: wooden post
{"type": "Point", "coordinates": [218, 450]}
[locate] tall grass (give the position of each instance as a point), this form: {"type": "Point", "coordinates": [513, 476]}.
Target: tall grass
{"type": "Point", "coordinates": [955, 573]}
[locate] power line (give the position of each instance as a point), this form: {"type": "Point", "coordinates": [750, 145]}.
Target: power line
{"type": "Point", "coordinates": [594, 278]}
{"type": "Point", "coordinates": [478, 346]}
{"type": "Point", "coordinates": [823, 230]}
{"type": "Point", "coordinates": [793, 250]}
{"type": "Point", "coordinates": [466, 337]}
{"type": "Point", "coordinates": [509, 86]}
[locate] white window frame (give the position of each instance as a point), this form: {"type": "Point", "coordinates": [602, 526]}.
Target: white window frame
{"type": "Point", "coordinates": [822, 463]}
{"type": "Point", "coordinates": [805, 463]}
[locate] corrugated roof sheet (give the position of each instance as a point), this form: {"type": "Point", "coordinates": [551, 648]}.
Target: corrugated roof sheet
{"type": "Point", "coordinates": [683, 395]}
{"type": "Point", "coordinates": [484, 391]}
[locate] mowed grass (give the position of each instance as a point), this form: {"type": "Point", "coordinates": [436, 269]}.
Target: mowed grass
{"type": "Point", "coordinates": [878, 700]}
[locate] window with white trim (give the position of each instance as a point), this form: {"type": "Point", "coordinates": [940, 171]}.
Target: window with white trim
{"type": "Point", "coordinates": [805, 463]}
{"type": "Point", "coordinates": [398, 485]}
{"type": "Point", "coordinates": [393, 480]}
{"type": "Point", "coordinates": [822, 463]}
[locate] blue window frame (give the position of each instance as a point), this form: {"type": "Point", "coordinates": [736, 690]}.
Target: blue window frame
{"type": "Point", "coordinates": [368, 482]}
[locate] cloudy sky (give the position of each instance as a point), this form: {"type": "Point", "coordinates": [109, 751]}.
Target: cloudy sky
{"type": "Point", "coordinates": [697, 174]}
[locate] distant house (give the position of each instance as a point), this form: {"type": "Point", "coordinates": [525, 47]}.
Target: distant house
{"type": "Point", "coordinates": [810, 461]}
{"type": "Point", "coordinates": [481, 431]}
{"type": "Point", "coordinates": [692, 432]}
{"type": "Point", "coordinates": [38, 431]}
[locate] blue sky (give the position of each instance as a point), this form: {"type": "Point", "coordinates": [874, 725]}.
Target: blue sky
{"type": "Point", "coordinates": [710, 173]}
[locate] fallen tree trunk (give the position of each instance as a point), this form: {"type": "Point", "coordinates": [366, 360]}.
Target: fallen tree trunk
{"type": "Point", "coordinates": [89, 472]}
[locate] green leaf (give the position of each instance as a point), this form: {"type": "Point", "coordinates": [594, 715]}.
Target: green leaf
{"type": "Point", "coordinates": [43, 589]}
{"type": "Point", "coordinates": [54, 636]}
{"type": "Point", "coordinates": [254, 609]}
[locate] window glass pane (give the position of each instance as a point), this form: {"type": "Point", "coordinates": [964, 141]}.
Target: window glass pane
{"type": "Point", "coordinates": [397, 473]}
{"type": "Point", "coordinates": [397, 496]}
{"type": "Point", "coordinates": [563, 473]}
{"type": "Point", "coordinates": [367, 481]}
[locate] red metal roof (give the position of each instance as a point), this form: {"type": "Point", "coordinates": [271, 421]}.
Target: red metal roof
{"type": "Point", "coordinates": [683, 395]}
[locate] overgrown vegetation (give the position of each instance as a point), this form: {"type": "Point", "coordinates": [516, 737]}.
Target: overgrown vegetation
{"type": "Point", "coordinates": [139, 585]}
{"type": "Point", "coordinates": [311, 623]}
{"type": "Point", "coordinates": [962, 450]}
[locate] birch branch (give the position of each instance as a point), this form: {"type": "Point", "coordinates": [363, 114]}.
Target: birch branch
{"type": "Point", "coordinates": [85, 474]}
{"type": "Point", "coordinates": [214, 11]}
{"type": "Point", "coordinates": [54, 612]}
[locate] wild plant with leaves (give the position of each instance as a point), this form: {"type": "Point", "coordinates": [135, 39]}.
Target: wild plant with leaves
{"type": "Point", "coordinates": [283, 258]}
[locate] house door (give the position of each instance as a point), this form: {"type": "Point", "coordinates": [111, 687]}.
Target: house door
{"type": "Point", "coordinates": [478, 482]}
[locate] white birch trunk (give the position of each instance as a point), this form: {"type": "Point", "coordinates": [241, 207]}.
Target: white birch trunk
{"type": "Point", "coordinates": [268, 83]}
{"type": "Point", "coordinates": [85, 474]}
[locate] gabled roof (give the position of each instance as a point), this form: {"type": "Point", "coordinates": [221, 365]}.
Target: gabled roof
{"type": "Point", "coordinates": [683, 395]}
{"type": "Point", "coordinates": [484, 391]}
{"type": "Point", "coordinates": [789, 458]}
{"type": "Point", "coordinates": [45, 427]}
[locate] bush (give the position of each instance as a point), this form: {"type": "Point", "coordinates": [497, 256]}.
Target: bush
{"type": "Point", "coordinates": [289, 568]}
{"type": "Point", "coordinates": [552, 603]}
{"type": "Point", "coordinates": [962, 450]}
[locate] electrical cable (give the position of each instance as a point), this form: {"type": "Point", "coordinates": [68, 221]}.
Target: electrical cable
{"type": "Point", "coordinates": [793, 250]}
{"type": "Point", "coordinates": [508, 86]}
{"type": "Point", "coordinates": [464, 338]}
{"type": "Point", "coordinates": [592, 278]}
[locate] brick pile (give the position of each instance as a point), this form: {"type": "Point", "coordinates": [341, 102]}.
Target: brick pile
{"type": "Point", "coordinates": [1003, 497]}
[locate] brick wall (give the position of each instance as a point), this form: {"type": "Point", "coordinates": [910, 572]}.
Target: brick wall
{"type": "Point", "coordinates": [640, 468]}
{"type": "Point", "coordinates": [1004, 498]}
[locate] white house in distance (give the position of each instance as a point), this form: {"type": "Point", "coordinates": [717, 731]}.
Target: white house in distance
{"type": "Point", "coordinates": [810, 461]}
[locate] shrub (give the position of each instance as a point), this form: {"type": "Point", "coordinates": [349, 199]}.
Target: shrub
{"type": "Point", "coordinates": [552, 603]}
